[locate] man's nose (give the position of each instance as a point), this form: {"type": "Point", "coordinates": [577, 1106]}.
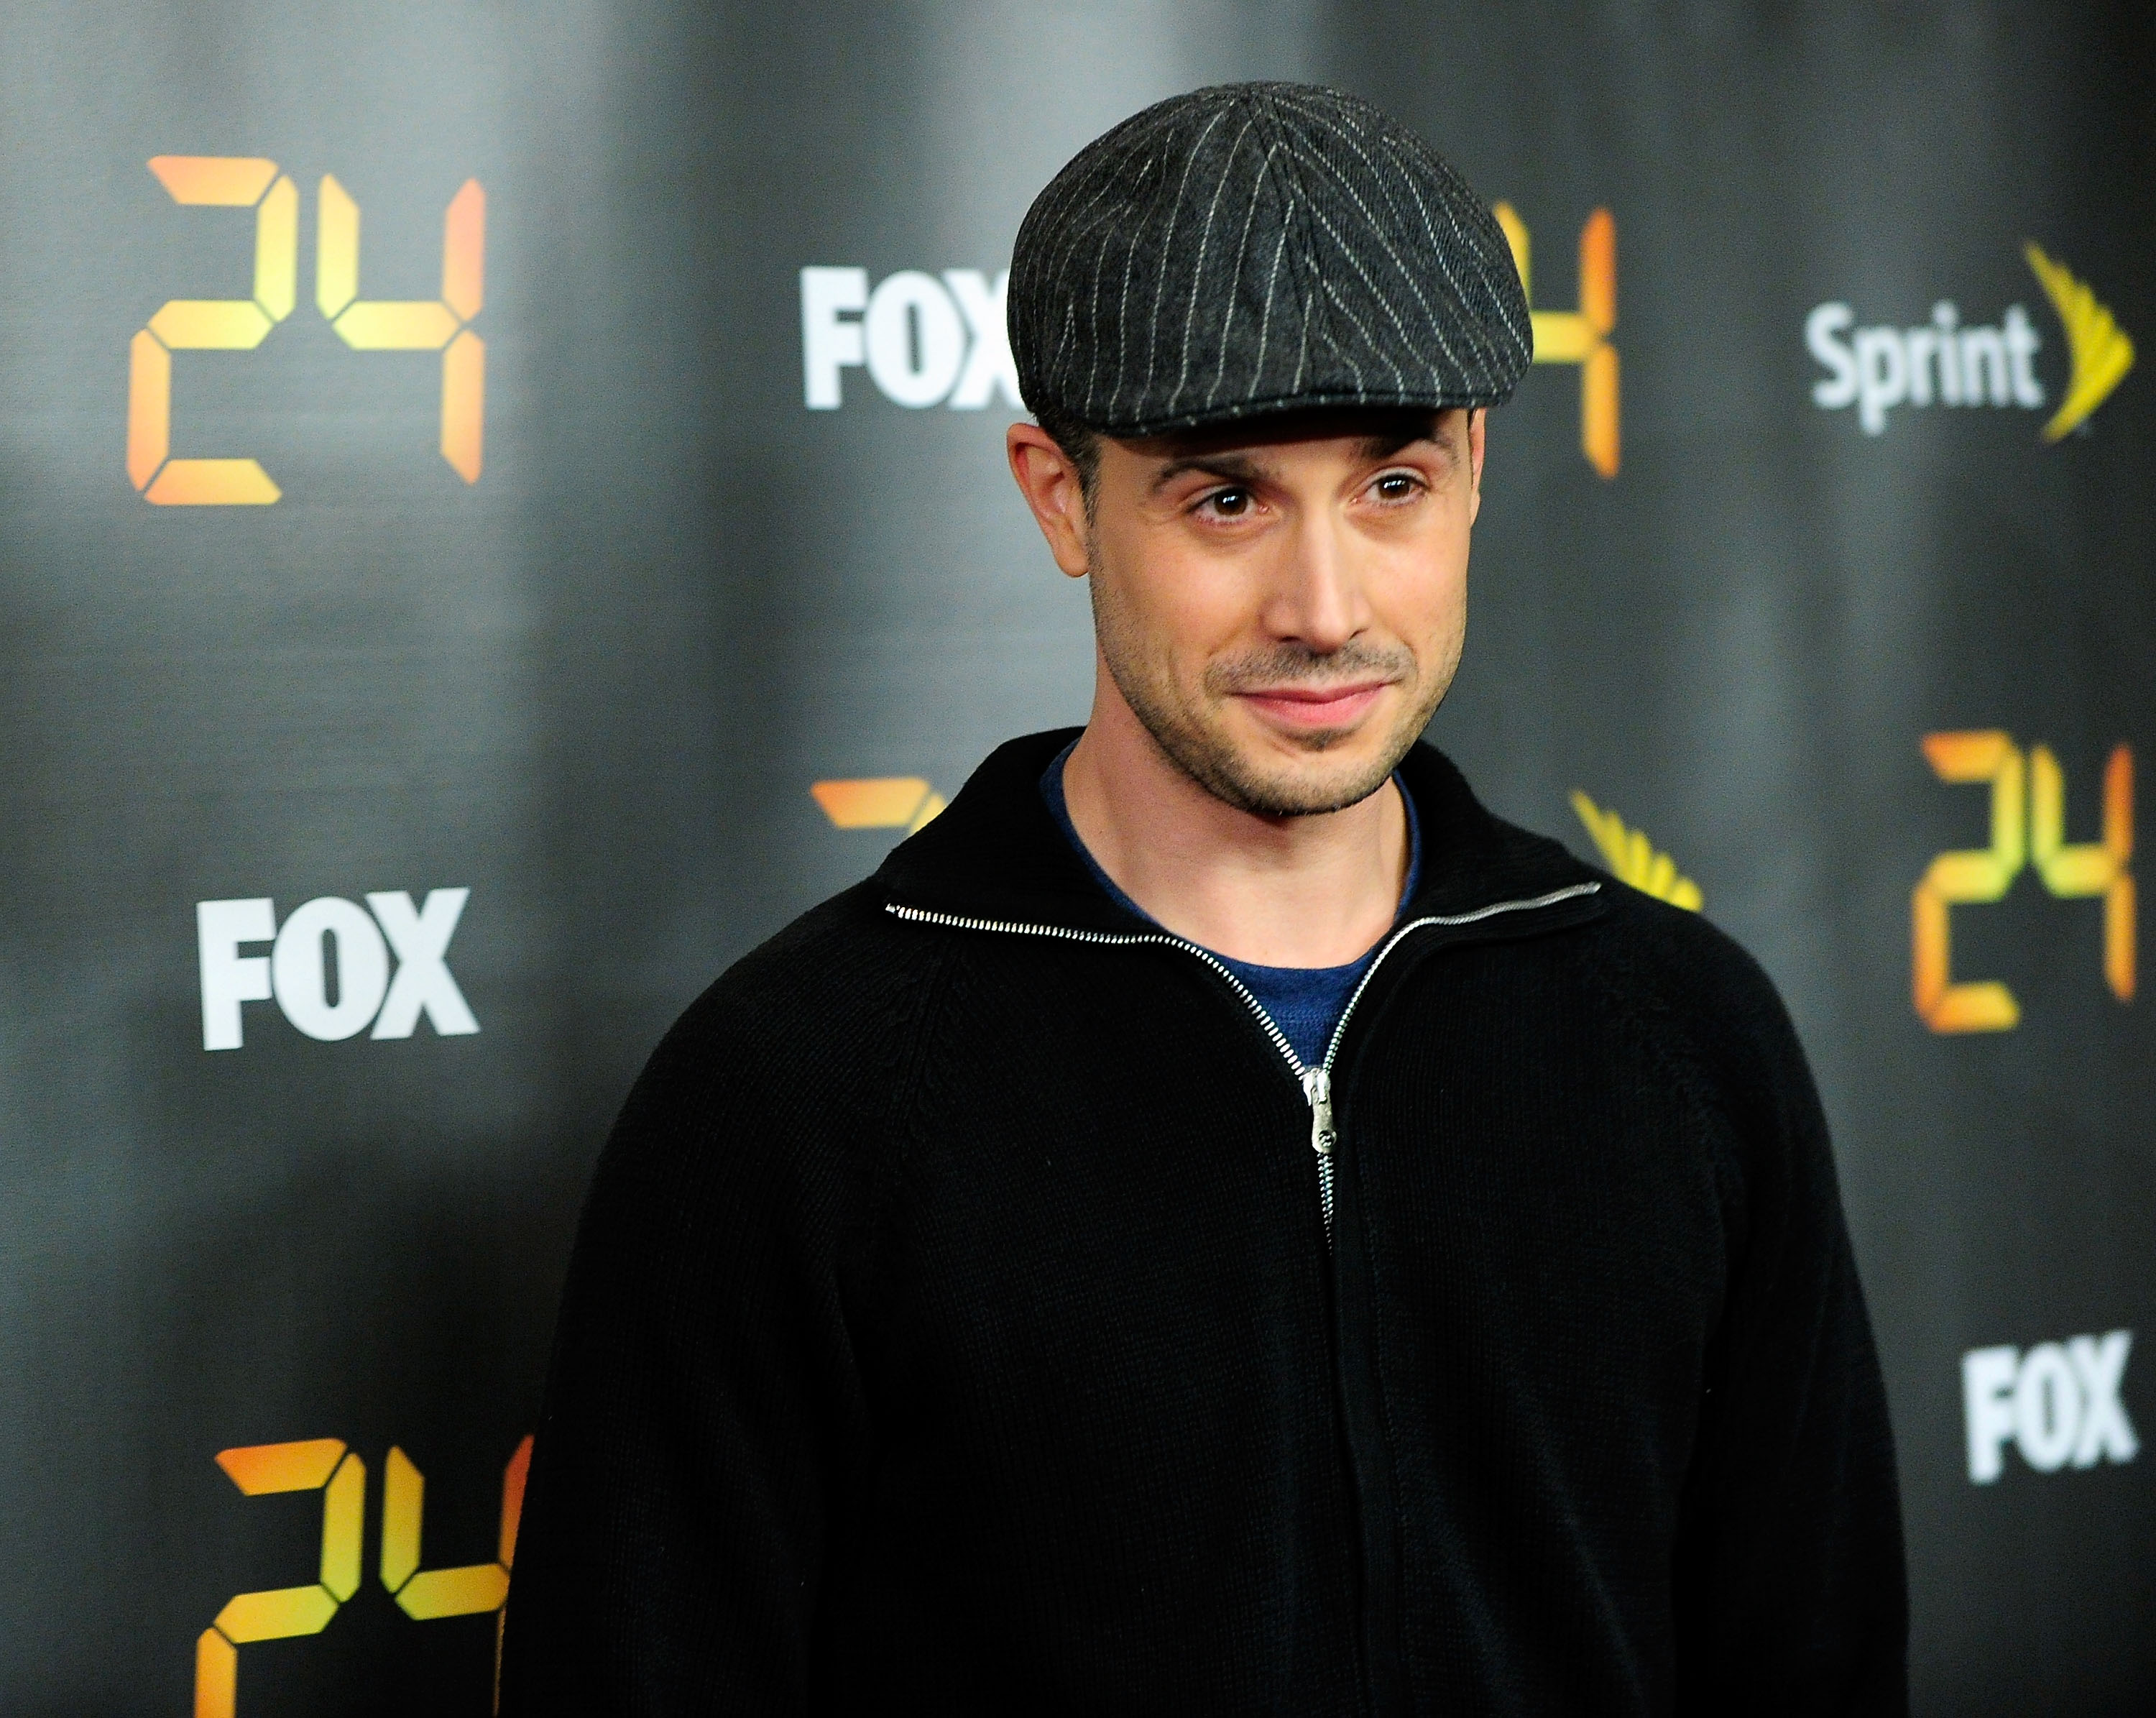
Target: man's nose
{"type": "Point", "coordinates": [1317, 599]}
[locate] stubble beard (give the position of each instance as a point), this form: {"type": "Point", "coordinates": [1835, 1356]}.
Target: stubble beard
{"type": "Point", "coordinates": [1200, 745]}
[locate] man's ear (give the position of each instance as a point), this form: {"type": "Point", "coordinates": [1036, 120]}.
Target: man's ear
{"type": "Point", "coordinates": [1054, 490]}
{"type": "Point", "coordinates": [1477, 422]}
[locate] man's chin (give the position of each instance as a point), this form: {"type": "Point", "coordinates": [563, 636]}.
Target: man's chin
{"type": "Point", "coordinates": [1272, 769]}
{"type": "Point", "coordinates": [1317, 773]}
{"type": "Point", "coordinates": [1308, 797]}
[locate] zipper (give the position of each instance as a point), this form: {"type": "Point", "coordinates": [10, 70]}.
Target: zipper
{"type": "Point", "coordinates": [1317, 1092]}
{"type": "Point", "coordinates": [1316, 1083]}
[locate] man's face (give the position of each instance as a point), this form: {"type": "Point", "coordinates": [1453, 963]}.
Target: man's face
{"type": "Point", "coordinates": [1282, 606]}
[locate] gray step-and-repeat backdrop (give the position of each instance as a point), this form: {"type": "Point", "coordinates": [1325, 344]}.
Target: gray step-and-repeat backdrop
{"type": "Point", "coordinates": [502, 506]}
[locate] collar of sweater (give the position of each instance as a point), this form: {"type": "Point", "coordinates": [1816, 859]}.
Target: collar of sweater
{"type": "Point", "coordinates": [995, 853]}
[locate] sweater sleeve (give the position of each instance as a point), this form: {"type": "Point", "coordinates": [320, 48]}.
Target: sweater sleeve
{"type": "Point", "coordinates": [1790, 1587]}
{"type": "Point", "coordinates": [702, 1413]}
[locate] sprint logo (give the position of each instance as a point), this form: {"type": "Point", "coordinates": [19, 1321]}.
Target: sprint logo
{"type": "Point", "coordinates": [1948, 363]}
{"type": "Point", "coordinates": [1632, 858]}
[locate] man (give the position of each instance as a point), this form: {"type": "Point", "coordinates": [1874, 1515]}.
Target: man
{"type": "Point", "coordinates": [1219, 1223]}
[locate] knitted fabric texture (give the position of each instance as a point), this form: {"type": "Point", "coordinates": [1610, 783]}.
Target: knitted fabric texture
{"type": "Point", "coordinates": [953, 1328]}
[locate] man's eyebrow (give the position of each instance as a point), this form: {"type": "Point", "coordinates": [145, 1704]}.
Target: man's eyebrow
{"type": "Point", "coordinates": [1383, 447]}
{"type": "Point", "coordinates": [1228, 467]}
{"type": "Point", "coordinates": [1232, 465]}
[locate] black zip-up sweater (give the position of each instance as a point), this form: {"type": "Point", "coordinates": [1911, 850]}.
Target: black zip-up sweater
{"type": "Point", "coordinates": [953, 1325]}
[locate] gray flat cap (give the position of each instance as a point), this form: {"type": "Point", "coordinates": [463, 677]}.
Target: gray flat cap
{"type": "Point", "coordinates": [1260, 248]}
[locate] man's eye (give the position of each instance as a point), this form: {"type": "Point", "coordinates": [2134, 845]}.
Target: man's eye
{"type": "Point", "coordinates": [1229, 503]}
{"type": "Point", "coordinates": [1396, 486]}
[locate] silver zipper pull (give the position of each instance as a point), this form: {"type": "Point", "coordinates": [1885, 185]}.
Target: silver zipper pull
{"type": "Point", "coordinates": [1317, 1088]}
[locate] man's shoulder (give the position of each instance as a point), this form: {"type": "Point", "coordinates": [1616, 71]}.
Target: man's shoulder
{"type": "Point", "coordinates": [1670, 969]}
{"type": "Point", "coordinates": [1679, 947]}
{"type": "Point", "coordinates": [1656, 961]}
{"type": "Point", "coordinates": [1699, 993]}
{"type": "Point", "coordinates": [834, 972]}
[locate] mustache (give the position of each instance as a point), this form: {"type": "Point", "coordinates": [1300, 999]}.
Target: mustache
{"type": "Point", "coordinates": [1290, 664]}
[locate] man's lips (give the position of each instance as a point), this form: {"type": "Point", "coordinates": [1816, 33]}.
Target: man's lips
{"type": "Point", "coordinates": [1309, 706]}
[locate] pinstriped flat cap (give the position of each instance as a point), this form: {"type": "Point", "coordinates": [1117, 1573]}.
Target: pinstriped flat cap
{"type": "Point", "coordinates": [1260, 248]}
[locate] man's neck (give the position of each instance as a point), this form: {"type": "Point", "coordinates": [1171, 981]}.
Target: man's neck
{"type": "Point", "coordinates": [1272, 891]}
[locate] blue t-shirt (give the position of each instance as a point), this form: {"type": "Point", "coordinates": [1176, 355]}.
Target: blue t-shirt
{"type": "Point", "coordinates": [1306, 1002]}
